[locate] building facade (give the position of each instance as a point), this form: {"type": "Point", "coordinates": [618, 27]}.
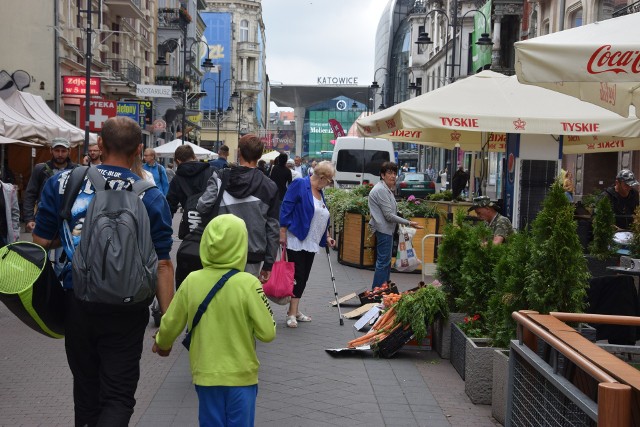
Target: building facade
{"type": "Point", "coordinates": [404, 68]}
{"type": "Point", "coordinates": [235, 93]}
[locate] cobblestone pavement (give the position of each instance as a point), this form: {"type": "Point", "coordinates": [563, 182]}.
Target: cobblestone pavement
{"type": "Point", "coordinates": [300, 384]}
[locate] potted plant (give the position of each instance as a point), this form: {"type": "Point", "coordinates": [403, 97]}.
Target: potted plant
{"type": "Point", "coordinates": [350, 215]}
{"type": "Point", "coordinates": [556, 273]}
{"type": "Point", "coordinates": [602, 249]}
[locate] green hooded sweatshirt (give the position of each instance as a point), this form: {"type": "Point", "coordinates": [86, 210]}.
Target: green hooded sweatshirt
{"type": "Point", "coordinates": [222, 349]}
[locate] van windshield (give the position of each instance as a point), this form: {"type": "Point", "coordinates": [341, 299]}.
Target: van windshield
{"type": "Point", "coordinates": [351, 161]}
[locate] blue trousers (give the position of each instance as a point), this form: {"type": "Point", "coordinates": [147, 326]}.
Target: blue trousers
{"type": "Point", "coordinates": [225, 406]}
{"type": "Point", "coordinates": [384, 249]}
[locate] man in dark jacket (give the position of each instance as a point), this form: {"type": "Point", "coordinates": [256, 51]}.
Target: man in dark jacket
{"type": "Point", "coordinates": [281, 175]}
{"type": "Point", "coordinates": [253, 197]}
{"type": "Point", "coordinates": [41, 172]}
{"type": "Point", "coordinates": [459, 181]}
{"type": "Point", "coordinates": [624, 198]}
{"type": "Point", "coordinates": [187, 187]}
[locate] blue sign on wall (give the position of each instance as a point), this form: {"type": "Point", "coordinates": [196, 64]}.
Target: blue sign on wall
{"type": "Point", "coordinates": [129, 109]}
{"type": "Point", "coordinates": [218, 37]}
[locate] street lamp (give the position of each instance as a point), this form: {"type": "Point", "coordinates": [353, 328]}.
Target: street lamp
{"type": "Point", "coordinates": [423, 38]}
{"type": "Point", "coordinates": [218, 87]}
{"type": "Point", "coordinates": [238, 95]}
{"type": "Point", "coordinates": [375, 86]}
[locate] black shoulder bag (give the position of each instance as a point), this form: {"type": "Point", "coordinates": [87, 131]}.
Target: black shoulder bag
{"type": "Point", "coordinates": [188, 255]}
{"type": "Point", "coordinates": [204, 304]}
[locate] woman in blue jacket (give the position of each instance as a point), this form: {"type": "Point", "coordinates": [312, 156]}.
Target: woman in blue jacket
{"type": "Point", "coordinates": [304, 228]}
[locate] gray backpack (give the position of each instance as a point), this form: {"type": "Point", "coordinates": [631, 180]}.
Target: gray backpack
{"type": "Point", "coordinates": [115, 261]}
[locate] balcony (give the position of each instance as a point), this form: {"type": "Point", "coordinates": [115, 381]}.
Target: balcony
{"type": "Point", "coordinates": [248, 87]}
{"type": "Point", "coordinates": [169, 18]}
{"type": "Point", "coordinates": [248, 49]}
{"type": "Point", "coordinates": [125, 8]}
{"type": "Point", "coordinates": [627, 10]}
{"type": "Point", "coordinates": [124, 70]}
{"type": "Point", "coordinates": [176, 82]}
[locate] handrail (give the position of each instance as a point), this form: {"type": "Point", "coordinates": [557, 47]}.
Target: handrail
{"type": "Point", "coordinates": [567, 351]}
{"type": "Point", "coordinates": [606, 319]}
{"type": "Point", "coordinates": [435, 236]}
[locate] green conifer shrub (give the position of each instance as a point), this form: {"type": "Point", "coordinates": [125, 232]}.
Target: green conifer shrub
{"type": "Point", "coordinates": [602, 246]}
{"type": "Point", "coordinates": [451, 254]}
{"type": "Point", "coordinates": [557, 275]}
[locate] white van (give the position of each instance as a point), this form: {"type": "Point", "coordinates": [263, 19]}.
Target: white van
{"type": "Point", "coordinates": [358, 160]}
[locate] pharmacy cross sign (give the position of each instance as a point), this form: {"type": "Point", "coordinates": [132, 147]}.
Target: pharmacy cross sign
{"type": "Point", "coordinates": [100, 110]}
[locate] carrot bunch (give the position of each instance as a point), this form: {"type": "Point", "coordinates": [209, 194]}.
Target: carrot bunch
{"type": "Point", "coordinates": [385, 325]}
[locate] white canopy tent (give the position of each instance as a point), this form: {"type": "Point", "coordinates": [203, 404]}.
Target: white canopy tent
{"type": "Point", "coordinates": [598, 63]}
{"type": "Point", "coordinates": [19, 126]}
{"type": "Point", "coordinates": [271, 155]}
{"type": "Point", "coordinates": [468, 112]}
{"type": "Point", "coordinates": [35, 107]}
{"type": "Point", "coordinates": [168, 150]}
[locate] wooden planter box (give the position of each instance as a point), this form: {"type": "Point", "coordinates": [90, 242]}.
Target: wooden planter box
{"type": "Point", "coordinates": [357, 245]}
{"type": "Point", "coordinates": [478, 370]}
{"type": "Point", "coordinates": [430, 227]}
{"type": "Point", "coordinates": [499, 389]}
{"type": "Point", "coordinates": [442, 334]}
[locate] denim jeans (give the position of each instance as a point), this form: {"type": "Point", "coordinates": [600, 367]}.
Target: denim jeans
{"type": "Point", "coordinates": [384, 249]}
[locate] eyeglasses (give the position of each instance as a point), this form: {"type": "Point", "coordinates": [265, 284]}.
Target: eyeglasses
{"type": "Point", "coordinates": [329, 180]}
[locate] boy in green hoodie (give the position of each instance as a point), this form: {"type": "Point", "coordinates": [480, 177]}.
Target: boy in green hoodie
{"type": "Point", "coordinates": [222, 354]}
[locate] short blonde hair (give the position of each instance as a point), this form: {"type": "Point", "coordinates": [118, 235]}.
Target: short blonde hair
{"type": "Point", "coordinates": [325, 169]}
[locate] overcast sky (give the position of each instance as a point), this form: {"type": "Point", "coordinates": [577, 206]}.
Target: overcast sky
{"type": "Point", "coordinates": [310, 39]}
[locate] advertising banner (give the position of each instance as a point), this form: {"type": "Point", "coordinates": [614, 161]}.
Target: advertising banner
{"type": "Point", "coordinates": [217, 82]}
{"type": "Point", "coordinates": [481, 57]}
{"type": "Point", "coordinates": [100, 110]}
{"type": "Point", "coordinates": [77, 85]}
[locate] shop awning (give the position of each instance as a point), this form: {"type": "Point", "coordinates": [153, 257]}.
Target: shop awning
{"type": "Point", "coordinates": [18, 126]}
{"type": "Point", "coordinates": [35, 107]}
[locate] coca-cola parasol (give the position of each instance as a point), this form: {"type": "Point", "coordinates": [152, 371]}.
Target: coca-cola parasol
{"type": "Point", "coordinates": [598, 63]}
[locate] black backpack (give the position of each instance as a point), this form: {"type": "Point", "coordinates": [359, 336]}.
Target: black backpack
{"type": "Point", "coordinates": [191, 218]}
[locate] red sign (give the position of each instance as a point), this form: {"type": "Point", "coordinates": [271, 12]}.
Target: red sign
{"type": "Point", "coordinates": [604, 60]}
{"type": "Point", "coordinates": [336, 127]}
{"type": "Point", "coordinates": [100, 110]}
{"type": "Point", "coordinates": [77, 85]}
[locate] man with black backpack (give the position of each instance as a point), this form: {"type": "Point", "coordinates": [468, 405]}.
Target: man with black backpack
{"type": "Point", "coordinates": [116, 230]}
{"type": "Point", "coordinates": [187, 187]}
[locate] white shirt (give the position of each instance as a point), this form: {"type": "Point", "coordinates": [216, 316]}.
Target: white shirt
{"type": "Point", "coordinates": [317, 229]}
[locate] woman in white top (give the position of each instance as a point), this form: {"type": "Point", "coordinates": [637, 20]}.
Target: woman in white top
{"type": "Point", "coordinates": [304, 228]}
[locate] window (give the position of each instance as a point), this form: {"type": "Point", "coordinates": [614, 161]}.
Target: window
{"type": "Point", "coordinates": [419, 84]}
{"type": "Point", "coordinates": [115, 48]}
{"type": "Point", "coordinates": [607, 7]}
{"type": "Point", "coordinates": [421, 48]}
{"type": "Point", "coordinates": [545, 27]}
{"type": "Point", "coordinates": [244, 30]}
{"type": "Point", "coordinates": [575, 19]}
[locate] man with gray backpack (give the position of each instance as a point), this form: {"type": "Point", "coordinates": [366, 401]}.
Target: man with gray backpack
{"type": "Point", "coordinates": [115, 229]}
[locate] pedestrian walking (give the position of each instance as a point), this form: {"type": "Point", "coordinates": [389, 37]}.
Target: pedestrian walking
{"type": "Point", "coordinates": [9, 214]}
{"type": "Point", "coordinates": [222, 353]}
{"type": "Point", "coordinates": [103, 340]}
{"type": "Point", "coordinates": [281, 175]}
{"type": "Point", "coordinates": [156, 169]}
{"type": "Point", "coordinates": [253, 197]}
{"type": "Point", "coordinates": [59, 162]}
{"type": "Point", "coordinates": [304, 229]}
{"type": "Point", "coordinates": [221, 162]}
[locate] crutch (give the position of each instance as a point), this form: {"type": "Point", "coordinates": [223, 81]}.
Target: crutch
{"type": "Point", "coordinates": [335, 290]}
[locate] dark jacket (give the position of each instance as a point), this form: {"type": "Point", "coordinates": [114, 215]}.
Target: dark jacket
{"type": "Point", "coordinates": [623, 207]}
{"type": "Point", "coordinates": [41, 172]}
{"type": "Point", "coordinates": [459, 181]}
{"type": "Point", "coordinates": [281, 175]}
{"type": "Point", "coordinates": [251, 196]}
{"type": "Point", "coordinates": [191, 178]}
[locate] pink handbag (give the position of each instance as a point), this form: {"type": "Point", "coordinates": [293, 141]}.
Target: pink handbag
{"type": "Point", "coordinates": [280, 283]}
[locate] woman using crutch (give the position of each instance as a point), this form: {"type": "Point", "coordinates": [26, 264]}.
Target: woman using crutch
{"type": "Point", "coordinates": [304, 228]}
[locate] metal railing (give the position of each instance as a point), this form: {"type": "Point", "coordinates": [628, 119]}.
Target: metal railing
{"type": "Point", "coordinates": [584, 394]}
{"type": "Point", "coordinates": [627, 10]}
{"type": "Point", "coordinates": [124, 70]}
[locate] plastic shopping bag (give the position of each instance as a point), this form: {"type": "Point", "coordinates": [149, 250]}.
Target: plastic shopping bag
{"type": "Point", "coordinates": [406, 259]}
{"type": "Point", "coordinates": [279, 287]}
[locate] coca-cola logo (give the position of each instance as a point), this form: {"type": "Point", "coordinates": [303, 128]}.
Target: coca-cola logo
{"type": "Point", "coordinates": [604, 60]}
